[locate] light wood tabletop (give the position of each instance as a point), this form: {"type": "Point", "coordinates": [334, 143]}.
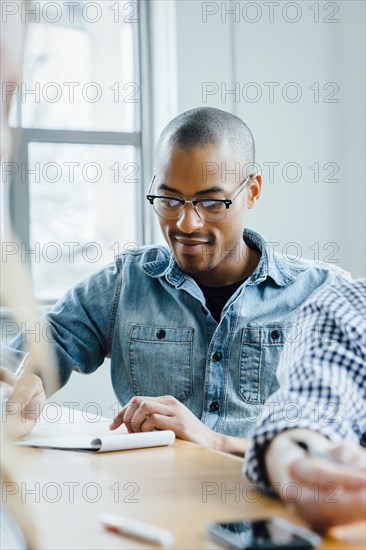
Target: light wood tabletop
{"type": "Point", "coordinates": [180, 488]}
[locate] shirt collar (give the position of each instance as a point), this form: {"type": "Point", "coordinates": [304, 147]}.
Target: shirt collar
{"type": "Point", "coordinates": [270, 264]}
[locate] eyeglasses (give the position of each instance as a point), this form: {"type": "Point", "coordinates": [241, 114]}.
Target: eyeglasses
{"type": "Point", "coordinates": [207, 209]}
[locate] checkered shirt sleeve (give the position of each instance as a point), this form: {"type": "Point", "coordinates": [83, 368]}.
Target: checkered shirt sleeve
{"type": "Point", "coordinates": [322, 375]}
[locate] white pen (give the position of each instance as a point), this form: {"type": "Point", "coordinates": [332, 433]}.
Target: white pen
{"type": "Point", "coordinates": [20, 369]}
{"type": "Point", "coordinates": [137, 529]}
{"type": "Point", "coordinates": [7, 392]}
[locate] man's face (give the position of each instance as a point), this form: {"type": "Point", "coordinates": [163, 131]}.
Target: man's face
{"type": "Point", "coordinates": [212, 252]}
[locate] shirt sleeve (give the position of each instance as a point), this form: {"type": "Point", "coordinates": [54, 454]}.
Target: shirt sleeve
{"type": "Point", "coordinates": [321, 374]}
{"type": "Point", "coordinates": [80, 325]}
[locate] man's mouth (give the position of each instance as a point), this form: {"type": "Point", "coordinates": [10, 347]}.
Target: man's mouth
{"type": "Point", "coordinates": [190, 242]}
{"type": "Point", "coordinates": [190, 246]}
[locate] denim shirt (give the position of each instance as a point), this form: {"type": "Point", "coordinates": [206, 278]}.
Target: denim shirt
{"type": "Point", "coordinates": [150, 317]}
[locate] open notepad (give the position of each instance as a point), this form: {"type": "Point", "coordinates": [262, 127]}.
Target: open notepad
{"type": "Point", "coordinates": [73, 430]}
{"type": "Point", "coordinates": [105, 443]}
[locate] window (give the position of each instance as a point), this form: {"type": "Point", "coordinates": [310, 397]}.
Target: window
{"type": "Point", "coordinates": [78, 180]}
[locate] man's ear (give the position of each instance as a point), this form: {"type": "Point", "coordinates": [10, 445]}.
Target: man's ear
{"type": "Point", "coordinates": [254, 189]}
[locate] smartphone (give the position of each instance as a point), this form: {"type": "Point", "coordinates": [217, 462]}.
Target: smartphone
{"type": "Point", "coordinates": [263, 534]}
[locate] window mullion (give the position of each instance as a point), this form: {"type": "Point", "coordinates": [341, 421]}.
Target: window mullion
{"type": "Point", "coordinates": [19, 193]}
{"type": "Point", "coordinates": [147, 122]}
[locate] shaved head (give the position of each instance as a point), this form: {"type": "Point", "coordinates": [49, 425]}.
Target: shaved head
{"type": "Point", "coordinates": [207, 127]}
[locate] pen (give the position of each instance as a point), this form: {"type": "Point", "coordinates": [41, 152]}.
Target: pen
{"type": "Point", "coordinates": [137, 529]}
{"type": "Point", "coordinates": [314, 452]}
{"type": "Point", "coordinates": [21, 368]}
{"type": "Point", "coordinates": [18, 373]}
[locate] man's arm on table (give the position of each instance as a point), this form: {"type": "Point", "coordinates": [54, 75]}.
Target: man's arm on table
{"type": "Point", "coordinates": [143, 414]}
{"type": "Point", "coordinates": [323, 375]}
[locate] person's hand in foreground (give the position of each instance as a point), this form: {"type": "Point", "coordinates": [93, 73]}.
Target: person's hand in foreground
{"type": "Point", "coordinates": [324, 492]}
{"type": "Point", "coordinates": [25, 401]}
{"type": "Point", "coordinates": [144, 414]}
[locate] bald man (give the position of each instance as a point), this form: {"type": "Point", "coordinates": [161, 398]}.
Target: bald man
{"type": "Point", "coordinates": [194, 330]}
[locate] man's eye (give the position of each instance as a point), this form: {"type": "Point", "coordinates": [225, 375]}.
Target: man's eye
{"type": "Point", "coordinates": [212, 205]}
{"type": "Point", "coordinates": [169, 203]}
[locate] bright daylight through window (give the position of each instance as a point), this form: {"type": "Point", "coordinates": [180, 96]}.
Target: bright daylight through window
{"type": "Point", "coordinates": [75, 193]}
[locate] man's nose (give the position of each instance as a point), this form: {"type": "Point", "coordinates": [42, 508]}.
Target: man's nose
{"type": "Point", "coordinates": [189, 220]}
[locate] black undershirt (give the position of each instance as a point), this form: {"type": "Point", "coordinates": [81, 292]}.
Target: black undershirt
{"type": "Point", "coordinates": [217, 296]}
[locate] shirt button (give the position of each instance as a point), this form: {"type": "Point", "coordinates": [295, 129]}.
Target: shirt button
{"type": "Point", "coordinates": [217, 356]}
{"type": "Point", "coordinates": [275, 334]}
{"type": "Point", "coordinates": [214, 407]}
{"type": "Point", "coordinates": [161, 334]}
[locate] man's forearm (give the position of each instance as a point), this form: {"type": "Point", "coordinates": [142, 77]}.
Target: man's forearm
{"type": "Point", "coordinates": [229, 444]}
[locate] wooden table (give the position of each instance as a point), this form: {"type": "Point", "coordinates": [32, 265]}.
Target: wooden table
{"type": "Point", "coordinates": [180, 488]}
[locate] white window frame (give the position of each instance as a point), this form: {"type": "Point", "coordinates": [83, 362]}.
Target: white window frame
{"type": "Point", "coordinates": [17, 200]}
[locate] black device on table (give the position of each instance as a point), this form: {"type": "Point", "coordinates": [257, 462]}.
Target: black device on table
{"type": "Point", "coordinates": [265, 534]}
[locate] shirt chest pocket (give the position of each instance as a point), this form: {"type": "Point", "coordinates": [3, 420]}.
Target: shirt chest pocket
{"type": "Point", "coordinates": [260, 353]}
{"type": "Point", "coordinates": [161, 361]}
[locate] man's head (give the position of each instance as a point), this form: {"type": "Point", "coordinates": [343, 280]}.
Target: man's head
{"type": "Point", "coordinates": [207, 153]}
{"type": "Point", "coordinates": [206, 127]}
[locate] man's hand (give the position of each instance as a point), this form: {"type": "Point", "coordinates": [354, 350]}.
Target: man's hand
{"type": "Point", "coordinates": [143, 414]}
{"type": "Point", "coordinates": [24, 405]}
{"type": "Point", "coordinates": [323, 492]}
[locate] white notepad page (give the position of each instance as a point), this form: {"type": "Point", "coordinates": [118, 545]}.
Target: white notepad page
{"type": "Point", "coordinates": [105, 443]}
{"type": "Point", "coordinates": [60, 428]}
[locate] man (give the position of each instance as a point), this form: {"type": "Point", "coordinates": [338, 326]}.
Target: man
{"type": "Point", "coordinates": [323, 374]}
{"type": "Point", "coordinates": [194, 331]}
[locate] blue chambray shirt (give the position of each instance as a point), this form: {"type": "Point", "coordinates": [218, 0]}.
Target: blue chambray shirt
{"type": "Point", "coordinates": [150, 317]}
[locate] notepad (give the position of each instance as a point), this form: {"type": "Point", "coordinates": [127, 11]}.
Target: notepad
{"type": "Point", "coordinates": [105, 443]}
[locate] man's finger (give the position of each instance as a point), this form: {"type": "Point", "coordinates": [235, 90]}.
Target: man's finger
{"type": "Point", "coordinates": [146, 409]}
{"type": "Point", "coordinates": [158, 422]}
{"type": "Point", "coordinates": [349, 454]}
{"type": "Point", "coordinates": [119, 419]}
{"type": "Point", "coordinates": [142, 405]}
{"type": "Point", "coordinates": [27, 387]}
{"type": "Point", "coordinates": [323, 510]}
{"type": "Point", "coordinates": [310, 470]}
{"type": "Point", "coordinates": [116, 421]}
{"type": "Point", "coordinates": [7, 376]}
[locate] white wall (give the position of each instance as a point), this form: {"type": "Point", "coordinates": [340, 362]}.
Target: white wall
{"type": "Point", "coordinates": [92, 394]}
{"type": "Point", "coordinates": [219, 51]}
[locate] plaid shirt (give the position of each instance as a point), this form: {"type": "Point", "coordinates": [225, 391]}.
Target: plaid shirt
{"type": "Point", "coordinates": [322, 375]}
